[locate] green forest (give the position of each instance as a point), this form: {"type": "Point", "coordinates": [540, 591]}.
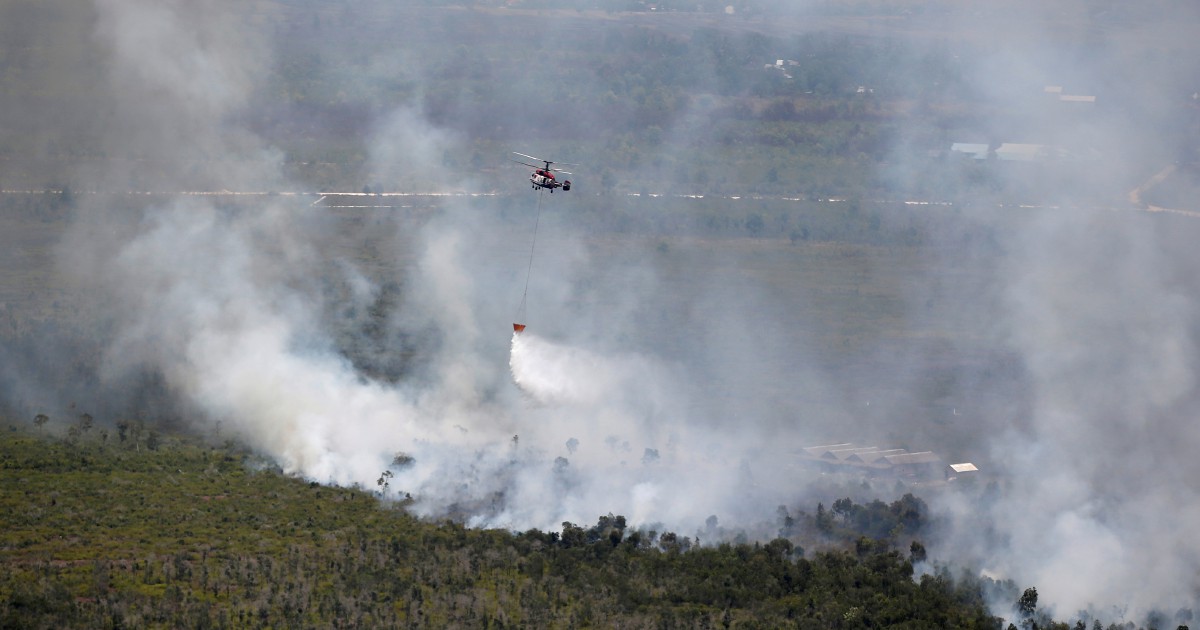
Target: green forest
{"type": "Point", "coordinates": [132, 527]}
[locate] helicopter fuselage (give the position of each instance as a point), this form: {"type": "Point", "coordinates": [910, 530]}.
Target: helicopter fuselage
{"type": "Point", "coordinates": [542, 178]}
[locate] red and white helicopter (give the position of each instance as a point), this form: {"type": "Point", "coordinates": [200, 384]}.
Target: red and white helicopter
{"type": "Point", "coordinates": [543, 176]}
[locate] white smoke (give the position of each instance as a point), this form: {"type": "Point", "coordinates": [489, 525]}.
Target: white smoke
{"type": "Point", "coordinates": [1095, 300]}
{"type": "Point", "coordinates": [1097, 484]}
{"type": "Point", "coordinates": [231, 305]}
{"type": "Point", "coordinates": [227, 305]}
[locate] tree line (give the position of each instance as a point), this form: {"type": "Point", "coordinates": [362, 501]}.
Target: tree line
{"type": "Point", "coordinates": [101, 533]}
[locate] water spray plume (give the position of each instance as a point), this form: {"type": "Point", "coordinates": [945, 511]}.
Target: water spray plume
{"type": "Point", "coordinates": [552, 373]}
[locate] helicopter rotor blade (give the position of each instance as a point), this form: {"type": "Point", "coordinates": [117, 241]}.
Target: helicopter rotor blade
{"type": "Point", "coordinates": [546, 163]}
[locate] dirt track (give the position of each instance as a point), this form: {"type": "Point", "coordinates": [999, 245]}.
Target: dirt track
{"type": "Point", "coordinates": [979, 23]}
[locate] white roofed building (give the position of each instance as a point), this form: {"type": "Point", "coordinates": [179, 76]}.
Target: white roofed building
{"type": "Point", "coordinates": [973, 150]}
{"type": "Point", "coordinates": [923, 465]}
{"type": "Point", "coordinates": [965, 469]}
{"type": "Point", "coordinates": [874, 462]}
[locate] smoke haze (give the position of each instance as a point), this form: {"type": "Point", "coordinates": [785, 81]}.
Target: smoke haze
{"type": "Point", "coordinates": [663, 379]}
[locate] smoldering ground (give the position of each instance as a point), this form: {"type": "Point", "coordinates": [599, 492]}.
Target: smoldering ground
{"type": "Point", "coordinates": [670, 386]}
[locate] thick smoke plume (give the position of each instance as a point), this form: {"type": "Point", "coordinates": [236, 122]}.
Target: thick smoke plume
{"type": "Point", "coordinates": [1096, 300]}
{"type": "Point", "coordinates": [242, 309]}
{"type": "Point", "coordinates": [670, 381]}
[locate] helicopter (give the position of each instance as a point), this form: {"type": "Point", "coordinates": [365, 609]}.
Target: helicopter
{"type": "Point", "coordinates": [543, 176]}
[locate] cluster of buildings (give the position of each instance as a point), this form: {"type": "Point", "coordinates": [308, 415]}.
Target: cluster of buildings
{"type": "Point", "coordinates": [1007, 151]}
{"type": "Point", "coordinates": [1024, 152]}
{"type": "Point", "coordinates": [782, 65]}
{"type": "Point", "coordinates": [786, 66]}
{"type": "Point", "coordinates": [1056, 92]}
{"type": "Point", "coordinates": [875, 462]}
